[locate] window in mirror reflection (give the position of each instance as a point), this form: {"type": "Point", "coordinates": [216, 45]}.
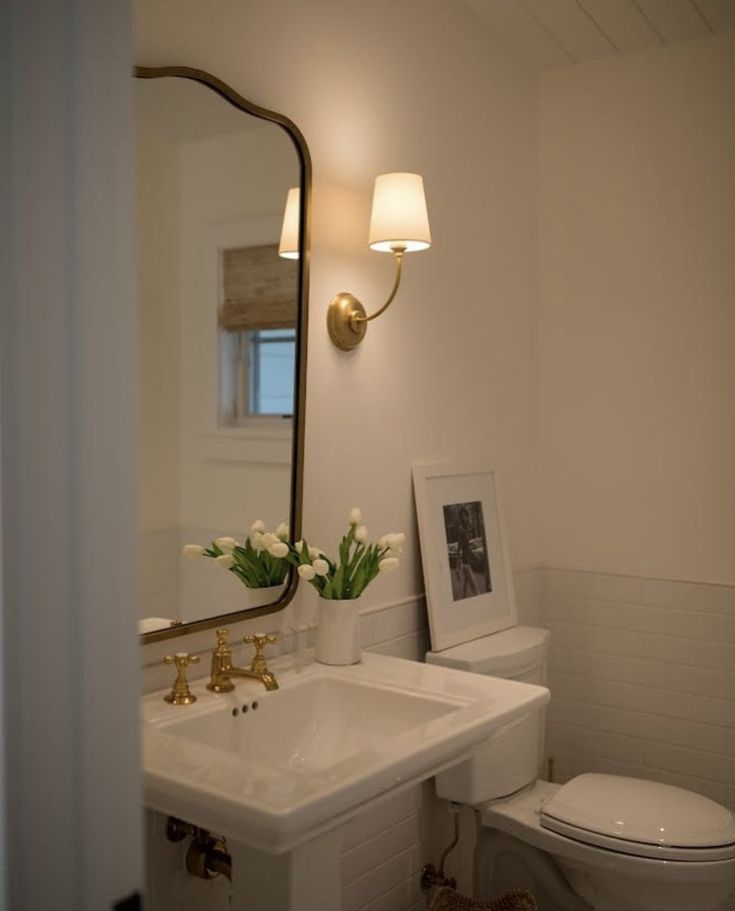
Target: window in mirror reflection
{"type": "Point", "coordinates": [269, 357]}
{"type": "Point", "coordinates": [257, 320]}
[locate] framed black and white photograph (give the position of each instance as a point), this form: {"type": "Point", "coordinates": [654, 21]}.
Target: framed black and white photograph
{"type": "Point", "coordinates": [469, 586]}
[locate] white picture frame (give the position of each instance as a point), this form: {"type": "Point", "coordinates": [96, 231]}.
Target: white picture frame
{"type": "Point", "coordinates": [467, 572]}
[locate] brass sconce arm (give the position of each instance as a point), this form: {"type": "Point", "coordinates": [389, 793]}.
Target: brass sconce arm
{"type": "Point", "coordinates": [346, 317]}
{"type": "Point", "coordinates": [398, 254]}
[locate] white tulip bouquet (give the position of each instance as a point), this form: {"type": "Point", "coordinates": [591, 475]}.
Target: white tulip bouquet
{"type": "Point", "coordinates": [359, 562]}
{"type": "Point", "coordinates": [260, 562]}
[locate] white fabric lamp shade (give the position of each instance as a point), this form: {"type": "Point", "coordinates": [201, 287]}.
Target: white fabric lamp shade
{"type": "Point", "coordinates": [288, 248]}
{"type": "Point", "coordinates": [399, 218]}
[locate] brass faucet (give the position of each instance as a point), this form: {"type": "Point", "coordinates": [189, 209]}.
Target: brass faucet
{"type": "Point", "coordinates": [222, 670]}
{"type": "Point", "coordinates": [180, 693]}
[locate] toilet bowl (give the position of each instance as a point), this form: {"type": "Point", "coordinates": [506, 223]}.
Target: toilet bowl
{"type": "Point", "coordinates": [607, 871]}
{"type": "Point", "coordinates": [602, 842]}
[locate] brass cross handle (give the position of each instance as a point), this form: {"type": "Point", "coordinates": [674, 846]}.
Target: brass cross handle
{"type": "Point", "coordinates": [180, 693]}
{"type": "Point", "coordinates": [259, 640]}
{"type": "Point", "coordinates": [223, 646]}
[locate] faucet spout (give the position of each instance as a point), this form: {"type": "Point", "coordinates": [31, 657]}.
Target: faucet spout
{"type": "Point", "coordinates": [265, 677]}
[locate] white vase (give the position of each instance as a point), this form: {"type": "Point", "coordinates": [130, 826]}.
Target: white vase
{"type": "Point", "coordinates": [338, 639]}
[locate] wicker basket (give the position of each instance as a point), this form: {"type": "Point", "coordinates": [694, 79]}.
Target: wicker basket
{"type": "Point", "coordinates": [446, 899]}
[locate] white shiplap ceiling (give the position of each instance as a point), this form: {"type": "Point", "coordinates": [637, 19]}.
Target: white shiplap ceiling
{"type": "Point", "coordinates": [546, 33]}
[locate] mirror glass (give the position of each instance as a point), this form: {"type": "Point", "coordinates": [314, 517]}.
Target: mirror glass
{"type": "Point", "coordinates": [221, 320]}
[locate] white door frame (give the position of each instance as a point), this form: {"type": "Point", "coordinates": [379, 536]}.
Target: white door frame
{"type": "Point", "coordinates": [68, 410]}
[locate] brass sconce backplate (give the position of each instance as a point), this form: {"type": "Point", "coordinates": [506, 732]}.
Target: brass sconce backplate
{"type": "Point", "coordinates": [346, 321]}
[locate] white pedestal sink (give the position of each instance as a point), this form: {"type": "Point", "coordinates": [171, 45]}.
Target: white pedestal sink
{"type": "Point", "coordinates": [281, 776]}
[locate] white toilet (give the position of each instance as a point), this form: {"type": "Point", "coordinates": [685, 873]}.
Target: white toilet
{"type": "Point", "coordinates": [604, 842]}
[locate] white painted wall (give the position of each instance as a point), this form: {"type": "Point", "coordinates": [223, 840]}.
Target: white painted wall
{"type": "Point", "coordinates": [449, 371]}
{"type": "Point", "coordinates": [636, 318]}
{"type": "Point", "coordinates": [636, 346]}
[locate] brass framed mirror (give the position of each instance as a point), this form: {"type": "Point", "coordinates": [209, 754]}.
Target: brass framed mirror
{"type": "Point", "coordinates": [222, 328]}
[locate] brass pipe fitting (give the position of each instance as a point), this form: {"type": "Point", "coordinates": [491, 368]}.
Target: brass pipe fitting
{"type": "Point", "coordinates": [207, 856]}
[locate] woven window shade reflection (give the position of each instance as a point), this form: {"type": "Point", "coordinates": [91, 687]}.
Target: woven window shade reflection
{"type": "Point", "coordinates": [259, 289]}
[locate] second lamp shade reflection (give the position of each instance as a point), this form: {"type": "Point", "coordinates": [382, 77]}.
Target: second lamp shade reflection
{"type": "Point", "coordinates": [399, 218]}
{"type": "Point", "coordinates": [288, 248]}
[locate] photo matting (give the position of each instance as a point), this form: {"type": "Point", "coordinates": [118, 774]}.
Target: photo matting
{"type": "Point", "coordinates": [469, 587]}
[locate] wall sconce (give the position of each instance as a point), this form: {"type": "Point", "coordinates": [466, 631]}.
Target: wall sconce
{"type": "Point", "coordinates": [399, 224]}
{"type": "Point", "coordinates": [288, 247]}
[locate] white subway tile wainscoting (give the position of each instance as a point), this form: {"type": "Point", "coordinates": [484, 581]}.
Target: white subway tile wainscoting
{"type": "Point", "coordinates": [642, 675]}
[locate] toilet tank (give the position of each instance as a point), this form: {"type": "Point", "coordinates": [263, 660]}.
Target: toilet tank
{"type": "Point", "coordinates": [512, 757]}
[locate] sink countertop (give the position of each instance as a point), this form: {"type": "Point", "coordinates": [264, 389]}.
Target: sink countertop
{"type": "Point", "coordinates": [316, 751]}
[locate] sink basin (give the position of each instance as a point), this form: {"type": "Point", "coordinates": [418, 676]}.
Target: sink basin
{"type": "Point", "coordinates": [310, 729]}
{"type": "Point", "coordinates": [301, 759]}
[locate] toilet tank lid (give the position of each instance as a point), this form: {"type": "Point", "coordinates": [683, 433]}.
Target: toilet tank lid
{"type": "Point", "coordinates": [641, 811]}
{"type": "Point", "coordinates": [501, 654]}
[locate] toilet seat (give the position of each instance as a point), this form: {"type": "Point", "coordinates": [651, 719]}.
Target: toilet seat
{"type": "Point", "coordinates": [641, 818]}
{"type": "Point", "coordinates": [636, 849]}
